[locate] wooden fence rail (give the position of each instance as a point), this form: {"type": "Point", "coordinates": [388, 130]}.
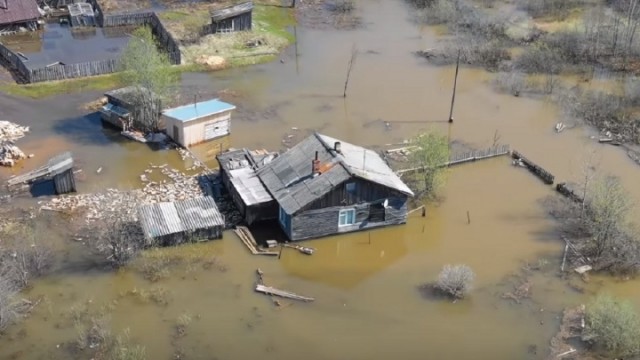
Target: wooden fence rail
{"type": "Point", "coordinates": [465, 157]}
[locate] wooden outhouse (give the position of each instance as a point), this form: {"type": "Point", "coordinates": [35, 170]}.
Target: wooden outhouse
{"type": "Point", "coordinates": [199, 122]}
{"type": "Point", "coordinates": [232, 18]}
{"type": "Point", "coordinates": [125, 105]}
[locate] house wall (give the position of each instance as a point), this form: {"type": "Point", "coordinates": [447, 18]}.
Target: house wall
{"type": "Point", "coordinates": [193, 132]}
{"type": "Point", "coordinates": [191, 236]}
{"type": "Point", "coordinates": [241, 22]}
{"type": "Point", "coordinates": [365, 191]}
{"type": "Point", "coordinates": [323, 222]}
{"type": "Point", "coordinates": [260, 212]}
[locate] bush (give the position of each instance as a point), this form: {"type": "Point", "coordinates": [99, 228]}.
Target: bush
{"type": "Point", "coordinates": [556, 8]}
{"type": "Point", "coordinates": [539, 58]}
{"type": "Point", "coordinates": [455, 280]}
{"type": "Point", "coordinates": [613, 326]}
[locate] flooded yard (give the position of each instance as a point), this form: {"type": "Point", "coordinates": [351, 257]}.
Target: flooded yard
{"type": "Point", "coordinates": [68, 45]}
{"type": "Point", "coordinates": [368, 302]}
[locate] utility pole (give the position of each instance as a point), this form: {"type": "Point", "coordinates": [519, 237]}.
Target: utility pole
{"type": "Point", "coordinates": [455, 84]}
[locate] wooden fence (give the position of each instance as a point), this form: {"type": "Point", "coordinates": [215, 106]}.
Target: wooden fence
{"type": "Point", "coordinates": [465, 157]}
{"type": "Point", "coordinates": [93, 68]}
{"type": "Point", "coordinates": [71, 71]}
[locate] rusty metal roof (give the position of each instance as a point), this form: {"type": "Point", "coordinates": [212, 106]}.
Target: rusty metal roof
{"type": "Point", "coordinates": [17, 11]}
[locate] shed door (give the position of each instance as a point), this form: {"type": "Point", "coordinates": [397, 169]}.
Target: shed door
{"type": "Point", "coordinates": [216, 129]}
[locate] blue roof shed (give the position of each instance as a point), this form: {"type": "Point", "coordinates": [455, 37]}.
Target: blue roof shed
{"type": "Point", "coordinates": [198, 110]}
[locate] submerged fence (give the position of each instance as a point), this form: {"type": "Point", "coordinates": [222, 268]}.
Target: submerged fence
{"type": "Point", "coordinates": [92, 68]}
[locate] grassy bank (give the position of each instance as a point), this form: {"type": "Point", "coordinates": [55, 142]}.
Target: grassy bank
{"type": "Point", "coordinates": [94, 83]}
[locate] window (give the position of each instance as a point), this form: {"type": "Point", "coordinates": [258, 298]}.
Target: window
{"type": "Point", "coordinates": [283, 218]}
{"type": "Point", "coordinates": [347, 217]}
{"type": "Point", "coordinates": [351, 188]}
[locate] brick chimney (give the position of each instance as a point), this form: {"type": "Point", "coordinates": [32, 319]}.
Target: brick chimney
{"type": "Point", "coordinates": [315, 165]}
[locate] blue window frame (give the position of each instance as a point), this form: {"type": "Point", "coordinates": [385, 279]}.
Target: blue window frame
{"type": "Point", "coordinates": [347, 217]}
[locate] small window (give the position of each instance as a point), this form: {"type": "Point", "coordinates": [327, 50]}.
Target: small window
{"type": "Point", "coordinates": [283, 217]}
{"type": "Point", "coordinates": [351, 188]}
{"type": "Point", "coordinates": [347, 217]}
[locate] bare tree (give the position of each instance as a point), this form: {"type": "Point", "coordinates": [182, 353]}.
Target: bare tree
{"type": "Point", "coordinates": [11, 306]}
{"type": "Point", "coordinates": [117, 235]}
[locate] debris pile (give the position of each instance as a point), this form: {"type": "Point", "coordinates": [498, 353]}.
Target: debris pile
{"type": "Point", "coordinates": [9, 152]}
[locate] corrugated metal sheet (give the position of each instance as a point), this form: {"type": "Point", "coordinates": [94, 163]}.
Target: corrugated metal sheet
{"type": "Point", "coordinates": [290, 180]}
{"type": "Point", "coordinates": [167, 218]}
{"type": "Point", "coordinates": [249, 186]}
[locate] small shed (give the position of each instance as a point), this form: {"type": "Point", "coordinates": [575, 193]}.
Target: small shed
{"type": "Point", "coordinates": [232, 18]}
{"type": "Point", "coordinates": [124, 106]}
{"type": "Point", "coordinates": [82, 14]}
{"type": "Point", "coordinates": [59, 170]}
{"type": "Point", "coordinates": [173, 223]}
{"type": "Point", "coordinates": [241, 181]}
{"type": "Point", "coordinates": [199, 122]}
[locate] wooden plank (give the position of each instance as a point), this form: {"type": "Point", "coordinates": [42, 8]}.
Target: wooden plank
{"type": "Point", "coordinates": [282, 293]}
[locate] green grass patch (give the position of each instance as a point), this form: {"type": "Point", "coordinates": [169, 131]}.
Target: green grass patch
{"type": "Point", "coordinates": [94, 83]}
{"type": "Point", "coordinates": [274, 20]}
{"type": "Point", "coordinates": [47, 89]}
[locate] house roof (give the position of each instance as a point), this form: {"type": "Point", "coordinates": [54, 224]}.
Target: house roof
{"type": "Point", "coordinates": [231, 11]}
{"type": "Point", "coordinates": [166, 218]}
{"type": "Point", "coordinates": [289, 179]}
{"type": "Point", "coordinates": [18, 11]}
{"type": "Point", "coordinates": [198, 110]}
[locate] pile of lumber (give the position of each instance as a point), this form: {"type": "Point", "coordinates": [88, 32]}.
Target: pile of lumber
{"type": "Point", "coordinates": [9, 133]}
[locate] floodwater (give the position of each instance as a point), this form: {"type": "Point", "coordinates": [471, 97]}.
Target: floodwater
{"type": "Point", "coordinates": [368, 305]}
{"type": "Point", "coordinates": [69, 45]}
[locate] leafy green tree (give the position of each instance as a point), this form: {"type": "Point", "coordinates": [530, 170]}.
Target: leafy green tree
{"type": "Point", "coordinates": [148, 70]}
{"type": "Point", "coordinates": [430, 156]}
{"type": "Point", "coordinates": [613, 326]}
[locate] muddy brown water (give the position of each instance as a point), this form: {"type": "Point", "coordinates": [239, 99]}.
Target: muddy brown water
{"type": "Point", "coordinates": [366, 284]}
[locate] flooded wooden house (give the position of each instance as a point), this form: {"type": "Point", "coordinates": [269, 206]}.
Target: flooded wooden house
{"type": "Point", "coordinates": [232, 18]}
{"type": "Point", "coordinates": [173, 223]}
{"type": "Point", "coordinates": [324, 186]}
{"type": "Point", "coordinates": [198, 122]}
{"type": "Point", "coordinates": [17, 14]}
{"type": "Point", "coordinates": [238, 172]}
{"type": "Point", "coordinates": [123, 106]}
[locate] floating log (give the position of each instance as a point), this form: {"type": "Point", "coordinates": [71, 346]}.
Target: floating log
{"type": "Point", "coordinates": [282, 293]}
{"type": "Point", "coordinates": [609, 141]}
{"type": "Point", "coordinates": [543, 174]}
{"type": "Point", "coordinates": [565, 190]}
{"type": "Point", "coordinates": [559, 127]}
{"type": "Point", "coordinates": [583, 269]}
{"type": "Point", "coordinates": [302, 249]}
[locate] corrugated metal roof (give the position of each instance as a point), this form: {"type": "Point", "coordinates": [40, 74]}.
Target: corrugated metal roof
{"type": "Point", "coordinates": [289, 177]}
{"type": "Point", "coordinates": [231, 11]}
{"type": "Point", "coordinates": [166, 218]}
{"type": "Point", "coordinates": [198, 110]}
{"type": "Point", "coordinates": [249, 186]}
{"type": "Point", "coordinates": [18, 11]}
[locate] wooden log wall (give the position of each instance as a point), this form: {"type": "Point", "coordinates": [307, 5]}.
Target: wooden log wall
{"type": "Point", "coordinates": [543, 174]}
{"type": "Point", "coordinates": [64, 183]}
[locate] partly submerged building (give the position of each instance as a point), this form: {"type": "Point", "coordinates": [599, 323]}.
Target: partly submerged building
{"type": "Point", "coordinates": [238, 172]}
{"type": "Point", "coordinates": [172, 223]}
{"type": "Point", "coordinates": [199, 122]}
{"type": "Point", "coordinates": [19, 13]}
{"type": "Point", "coordinates": [125, 107]}
{"type": "Point", "coordinates": [231, 19]}
{"type": "Point", "coordinates": [323, 186]}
